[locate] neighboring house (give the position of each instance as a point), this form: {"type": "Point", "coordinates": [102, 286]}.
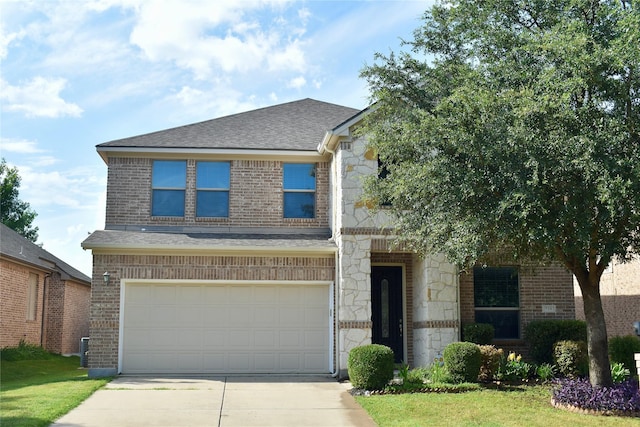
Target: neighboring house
{"type": "Point", "coordinates": [620, 293]}
{"type": "Point", "coordinates": [243, 245]}
{"type": "Point", "coordinates": [43, 300]}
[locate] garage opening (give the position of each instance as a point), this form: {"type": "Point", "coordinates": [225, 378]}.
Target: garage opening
{"type": "Point", "coordinates": [225, 328]}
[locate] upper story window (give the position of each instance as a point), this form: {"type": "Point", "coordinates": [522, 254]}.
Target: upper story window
{"type": "Point", "coordinates": [299, 185]}
{"type": "Point", "coordinates": [168, 182]}
{"type": "Point", "coordinates": [497, 299]}
{"type": "Point", "coordinates": [212, 189]}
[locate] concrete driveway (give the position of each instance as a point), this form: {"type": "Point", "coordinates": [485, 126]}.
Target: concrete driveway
{"type": "Point", "coordinates": [219, 401]}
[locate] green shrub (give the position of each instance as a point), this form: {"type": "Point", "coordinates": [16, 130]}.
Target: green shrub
{"type": "Point", "coordinates": [418, 375]}
{"type": "Point", "coordinates": [462, 361]}
{"type": "Point", "coordinates": [571, 358]}
{"type": "Point", "coordinates": [24, 351]}
{"type": "Point", "coordinates": [619, 373]}
{"type": "Point", "coordinates": [546, 371]}
{"type": "Point", "coordinates": [541, 335]}
{"type": "Point", "coordinates": [490, 356]}
{"type": "Point", "coordinates": [621, 350]}
{"type": "Point", "coordinates": [478, 333]}
{"type": "Point", "coordinates": [370, 366]}
{"type": "Point", "coordinates": [513, 368]}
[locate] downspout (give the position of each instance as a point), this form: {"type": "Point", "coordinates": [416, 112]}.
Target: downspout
{"type": "Point", "coordinates": [336, 340]}
{"type": "Point", "coordinates": [44, 296]}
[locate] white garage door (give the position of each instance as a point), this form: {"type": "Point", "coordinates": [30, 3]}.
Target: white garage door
{"type": "Point", "coordinates": [224, 328]}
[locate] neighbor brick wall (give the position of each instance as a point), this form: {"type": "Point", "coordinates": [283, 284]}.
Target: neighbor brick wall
{"type": "Point", "coordinates": [620, 294]}
{"type": "Point", "coordinates": [255, 195]}
{"type": "Point", "coordinates": [14, 325]}
{"type": "Point", "coordinates": [105, 299]}
{"type": "Point", "coordinates": [539, 286]}
{"type": "Point", "coordinates": [75, 322]}
{"type": "Point", "coordinates": [54, 313]}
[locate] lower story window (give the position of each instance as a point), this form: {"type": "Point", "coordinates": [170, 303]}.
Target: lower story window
{"type": "Point", "coordinates": [497, 300]}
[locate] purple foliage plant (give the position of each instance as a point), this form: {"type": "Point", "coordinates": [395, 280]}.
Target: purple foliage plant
{"type": "Point", "coordinates": [624, 396]}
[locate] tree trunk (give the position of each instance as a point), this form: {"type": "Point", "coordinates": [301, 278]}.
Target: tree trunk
{"type": "Point", "coordinates": [597, 343]}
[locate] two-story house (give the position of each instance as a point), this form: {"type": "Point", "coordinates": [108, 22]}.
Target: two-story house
{"type": "Point", "coordinates": [243, 245]}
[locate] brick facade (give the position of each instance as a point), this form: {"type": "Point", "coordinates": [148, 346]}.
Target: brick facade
{"type": "Point", "coordinates": [550, 286]}
{"type": "Point", "coordinates": [255, 195]}
{"type": "Point", "coordinates": [66, 309]}
{"type": "Point", "coordinates": [620, 293]}
{"type": "Point", "coordinates": [14, 325]}
{"type": "Point", "coordinates": [105, 299]}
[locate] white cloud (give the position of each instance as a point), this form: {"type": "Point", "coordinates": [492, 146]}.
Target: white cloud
{"type": "Point", "coordinates": [207, 103]}
{"type": "Point", "coordinates": [6, 39]}
{"type": "Point", "coordinates": [39, 97]}
{"type": "Point", "coordinates": [21, 146]}
{"type": "Point", "coordinates": [205, 36]}
{"type": "Point", "coordinates": [297, 82]}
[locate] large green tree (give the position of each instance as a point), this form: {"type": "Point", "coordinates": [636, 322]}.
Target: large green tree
{"type": "Point", "coordinates": [514, 126]}
{"type": "Point", "coordinates": [15, 213]}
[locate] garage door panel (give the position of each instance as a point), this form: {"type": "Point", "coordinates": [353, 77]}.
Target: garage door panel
{"type": "Point", "coordinates": [225, 328]}
{"type": "Point", "coordinates": [164, 295]}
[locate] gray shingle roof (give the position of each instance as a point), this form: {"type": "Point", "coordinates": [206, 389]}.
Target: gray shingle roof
{"type": "Point", "coordinates": [220, 241]}
{"type": "Point", "coordinates": [15, 246]}
{"type": "Point", "coordinates": [297, 125]}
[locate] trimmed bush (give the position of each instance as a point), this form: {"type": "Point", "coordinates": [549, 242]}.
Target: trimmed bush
{"type": "Point", "coordinates": [621, 350]}
{"type": "Point", "coordinates": [478, 333]}
{"type": "Point", "coordinates": [571, 358]}
{"type": "Point", "coordinates": [491, 357]}
{"type": "Point", "coordinates": [462, 360]}
{"type": "Point", "coordinates": [370, 366]}
{"type": "Point", "coordinates": [541, 335]}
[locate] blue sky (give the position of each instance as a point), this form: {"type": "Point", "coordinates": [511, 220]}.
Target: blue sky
{"type": "Point", "coordinates": [78, 73]}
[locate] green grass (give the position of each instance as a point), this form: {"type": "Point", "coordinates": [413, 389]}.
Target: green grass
{"type": "Point", "coordinates": [37, 392]}
{"type": "Point", "coordinates": [518, 406]}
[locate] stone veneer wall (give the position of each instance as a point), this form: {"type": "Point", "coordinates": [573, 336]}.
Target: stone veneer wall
{"type": "Point", "coordinates": [105, 306]}
{"type": "Point", "coordinates": [435, 308]}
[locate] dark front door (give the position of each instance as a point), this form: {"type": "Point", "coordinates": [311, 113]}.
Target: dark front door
{"type": "Point", "coordinates": [386, 306]}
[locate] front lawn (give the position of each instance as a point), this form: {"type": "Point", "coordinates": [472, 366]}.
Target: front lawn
{"type": "Point", "coordinates": [516, 406]}
{"type": "Point", "coordinates": [37, 392]}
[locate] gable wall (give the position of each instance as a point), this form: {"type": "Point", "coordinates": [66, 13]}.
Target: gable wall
{"type": "Point", "coordinates": [255, 196]}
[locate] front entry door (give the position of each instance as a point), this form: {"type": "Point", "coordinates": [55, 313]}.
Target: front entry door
{"type": "Point", "coordinates": [386, 305]}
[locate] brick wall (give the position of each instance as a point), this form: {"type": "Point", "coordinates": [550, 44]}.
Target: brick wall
{"type": "Point", "coordinates": [620, 293]}
{"type": "Point", "coordinates": [14, 325]}
{"type": "Point", "coordinates": [255, 195]}
{"type": "Point", "coordinates": [66, 314]}
{"type": "Point", "coordinates": [54, 313]}
{"type": "Point", "coordinates": [105, 299]}
{"type": "Point", "coordinates": [538, 286]}
{"type": "Point", "coordinates": [75, 322]}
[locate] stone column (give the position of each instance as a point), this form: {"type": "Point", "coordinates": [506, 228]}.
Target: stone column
{"type": "Point", "coordinates": [436, 319]}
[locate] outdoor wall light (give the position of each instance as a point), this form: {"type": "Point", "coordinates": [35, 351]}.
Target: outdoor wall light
{"type": "Point", "coordinates": [105, 277]}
